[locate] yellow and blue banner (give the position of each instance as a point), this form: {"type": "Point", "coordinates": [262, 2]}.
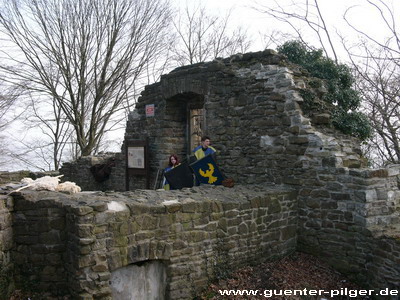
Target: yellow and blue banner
{"type": "Point", "coordinates": [206, 171]}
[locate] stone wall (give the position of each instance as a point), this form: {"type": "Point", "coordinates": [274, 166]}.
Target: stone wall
{"type": "Point", "coordinates": [40, 242]}
{"type": "Point", "coordinates": [7, 177]}
{"type": "Point", "coordinates": [73, 244]}
{"type": "Point", "coordinates": [252, 114]}
{"type": "Point", "coordinates": [383, 264]}
{"type": "Point", "coordinates": [342, 218]}
{"type": "Point", "coordinates": [6, 243]}
{"type": "Point", "coordinates": [79, 172]}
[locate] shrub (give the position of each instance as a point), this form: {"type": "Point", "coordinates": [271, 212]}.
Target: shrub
{"type": "Point", "coordinates": [338, 79]}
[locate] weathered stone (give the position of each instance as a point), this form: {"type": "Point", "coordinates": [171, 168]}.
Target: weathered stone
{"type": "Point", "coordinates": [100, 268]}
{"type": "Point", "coordinates": [243, 229]}
{"type": "Point", "coordinates": [81, 210]}
{"type": "Point", "coordinates": [320, 193]}
{"type": "Point", "coordinates": [274, 206]}
{"type": "Point", "coordinates": [172, 208]}
{"type": "Point", "coordinates": [252, 106]}
{"type": "Point", "coordinates": [189, 207]}
{"type": "Point", "coordinates": [313, 203]}
{"type": "Point", "coordinates": [321, 118]}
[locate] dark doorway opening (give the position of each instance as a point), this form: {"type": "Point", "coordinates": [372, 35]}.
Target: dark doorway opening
{"type": "Point", "coordinates": [186, 118]}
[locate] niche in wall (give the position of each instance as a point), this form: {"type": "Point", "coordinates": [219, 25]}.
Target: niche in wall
{"type": "Point", "coordinates": [145, 280]}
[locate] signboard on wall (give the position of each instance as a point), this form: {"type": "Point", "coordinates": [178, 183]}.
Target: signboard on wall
{"type": "Point", "coordinates": [150, 110]}
{"type": "Point", "coordinates": [137, 160]}
{"type": "Point", "coordinates": [136, 157]}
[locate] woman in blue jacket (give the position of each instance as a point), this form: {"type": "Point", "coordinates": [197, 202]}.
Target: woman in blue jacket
{"type": "Point", "coordinates": [173, 162]}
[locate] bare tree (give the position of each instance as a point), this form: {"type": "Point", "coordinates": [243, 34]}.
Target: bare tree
{"type": "Point", "coordinates": [8, 98]}
{"type": "Point", "coordinates": [85, 55]}
{"type": "Point", "coordinates": [9, 113]}
{"type": "Point", "coordinates": [376, 62]}
{"type": "Point", "coordinates": [305, 13]}
{"type": "Point", "coordinates": [56, 129]}
{"type": "Point", "coordinates": [202, 36]}
{"type": "Point", "coordinates": [379, 84]}
{"type": "Point", "coordinates": [390, 43]}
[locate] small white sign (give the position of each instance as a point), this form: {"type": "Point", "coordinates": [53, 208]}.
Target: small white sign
{"type": "Point", "coordinates": [149, 110]}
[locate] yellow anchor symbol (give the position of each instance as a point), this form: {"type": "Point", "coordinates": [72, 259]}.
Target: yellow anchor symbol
{"type": "Point", "coordinates": [209, 174]}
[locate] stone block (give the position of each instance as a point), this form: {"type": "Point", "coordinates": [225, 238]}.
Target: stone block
{"type": "Point", "coordinates": [298, 139]}
{"type": "Point", "coordinates": [99, 206]}
{"type": "Point", "coordinates": [243, 229]}
{"type": "Point", "coordinates": [320, 193]}
{"type": "Point", "coordinates": [216, 206]}
{"type": "Point", "coordinates": [167, 220]}
{"type": "Point", "coordinates": [57, 224]}
{"type": "Point", "coordinates": [232, 213]}
{"type": "Point", "coordinates": [233, 222]}
{"type": "Point", "coordinates": [197, 236]}
{"type": "Point", "coordinates": [189, 207]}
{"type": "Point", "coordinates": [100, 268]}
{"type": "Point", "coordinates": [173, 207]}
{"type": "Point", "coordinates": [100, 229]}
{"type": "Point", "coordinates": [340, 196]}
{"type": "Point", "coordinates": [393, 170]}
{"type": "Point", "coordinates": [288, 232]}
{"type": "Point", "coordinates": [216, 216]}
{"type": "Point", "coordinates": [274, 206]}
{"type": "Point", "coordinates": [329, 205]}
{"type": "Point", "coordinates": [84, 230]}
{"type": "Point", "coordinates": [186, 217]}
{"type": "Point", "coordinates": [230, 206]}
{"type": "Point", "coordinates": [147, 222]}
{"type": "Point", "coordinates": [81, 210]}
{"type": "Point", "coordinates": [313, 203]}
{"type": "Point", "coordinates": [26, 240]}
{"type": "Point", "coordinates": [204, 220]}
{"type": "Point", "coordinates": [378, 173]}
{"type": "Point", "coordinates": [179, 244]}
{"type": "Point", "coordinates": [313, 224]}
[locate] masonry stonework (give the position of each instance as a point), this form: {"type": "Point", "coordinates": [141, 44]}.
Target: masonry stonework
{"type": "Point", "coordinates": [79, 172]}
{"type": "Point", "coordinates": [72, 244]}
{"type": "Point", "coordinates": [251, 113]}
{"type": "Point", "coordinates": [6, 245]}
{"type": "Point", "coordinates": [300, 185]}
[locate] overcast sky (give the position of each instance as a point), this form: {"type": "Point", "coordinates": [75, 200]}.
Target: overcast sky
{"type": "Point", "coordinates": [363, 15]}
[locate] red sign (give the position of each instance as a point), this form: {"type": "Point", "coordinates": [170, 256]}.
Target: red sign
{"type": "Point", "coordinates": [150, 110]}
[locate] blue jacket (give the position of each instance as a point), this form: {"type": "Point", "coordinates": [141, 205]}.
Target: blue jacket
{"type": "Point", "coordinates": [199, 153]}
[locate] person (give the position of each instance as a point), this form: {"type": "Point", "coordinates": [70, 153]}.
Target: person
{"type": "Point", "coordinates": [173, 162]}
{"type": "Point", "coordinates": [204, 148]}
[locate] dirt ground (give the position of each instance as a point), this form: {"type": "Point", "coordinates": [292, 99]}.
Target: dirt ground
{"type": "Point", "coordinates": [298, 271]}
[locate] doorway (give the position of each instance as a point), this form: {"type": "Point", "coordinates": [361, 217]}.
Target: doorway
{"type": "Point", "coordinates": [196, 127]}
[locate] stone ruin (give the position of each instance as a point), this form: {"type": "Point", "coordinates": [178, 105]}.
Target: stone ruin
{"type": "Point", "coordinates": [300, 185]}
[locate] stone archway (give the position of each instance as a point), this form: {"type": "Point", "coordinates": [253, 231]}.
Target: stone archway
{"type": "Point", "coordinates": [145, 280]}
